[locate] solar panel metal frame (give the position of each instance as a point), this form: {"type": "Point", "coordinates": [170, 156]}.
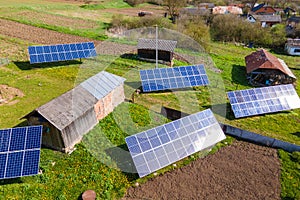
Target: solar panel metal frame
{"type": "Point", "coordinates": [161, 146]}
{"type": "Point", "coordinates": [61, 52]}
{"type": "Point", "coordinates": [20, 151]}
{"type": "Point", "coordinates": [173, 78]}
{"type": "Point", "coordinates": [263, 100]}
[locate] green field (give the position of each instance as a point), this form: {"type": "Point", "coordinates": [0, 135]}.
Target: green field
{"type": "Point", "coordinates": [85, 168]}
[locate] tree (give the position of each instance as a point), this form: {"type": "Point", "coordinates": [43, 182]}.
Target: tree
{"type": "Point", "coordinates": [173, 7]}
{"type": "Point", "coordinates": [196, 28]}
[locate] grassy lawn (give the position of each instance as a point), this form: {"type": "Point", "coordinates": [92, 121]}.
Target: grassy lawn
{"type": "Point", "coordinates": [91, 166]}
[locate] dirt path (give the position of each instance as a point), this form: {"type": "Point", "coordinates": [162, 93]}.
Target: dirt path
{"type": "Point", "coordinates": [239, 171]}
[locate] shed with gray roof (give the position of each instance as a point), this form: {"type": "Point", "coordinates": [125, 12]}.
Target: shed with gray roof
{"type": "Point", "coordinates": [68, 117]}
{"type": "Point", "coordinates": [147, 49]}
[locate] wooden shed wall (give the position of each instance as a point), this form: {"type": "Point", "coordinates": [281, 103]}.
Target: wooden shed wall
{"type": "Point", "coordinates": [51, 136]}
{"type": "Point", "coordinates": [73, 133]}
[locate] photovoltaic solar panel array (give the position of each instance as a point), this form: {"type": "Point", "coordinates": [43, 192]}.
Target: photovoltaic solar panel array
{"type": "Point", "coordinates": [158, 147]}
{"type": "Point", "coordinates": [61, 52]}
{"type": "Point", "coordinates": [173, 78]}
{"type": "Point", "coordinates": [263, 100]}
{"type": "Point", "coordinates": [20, 151]}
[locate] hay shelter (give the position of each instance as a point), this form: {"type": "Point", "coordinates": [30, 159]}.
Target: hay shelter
{"type": "Point", "coordinates": [68, 117]}
{"type": "Point", "coordinates": [146, 49]}
{"type": "Point", "coordinates": [264, 69]}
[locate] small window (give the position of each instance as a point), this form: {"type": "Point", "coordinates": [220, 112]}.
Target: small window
{"type": "Point", "coordinates": [296, 50]}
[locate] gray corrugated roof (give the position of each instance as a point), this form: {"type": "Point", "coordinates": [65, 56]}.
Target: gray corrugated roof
{"type": "Point", "coordinates": [102, 83]}
{"type": "Point", "coordinates": [268, 18]}
{"type": "Point", "coordinates": [64, 109]}
{"type": "Point", "coordinates": [164, 45]}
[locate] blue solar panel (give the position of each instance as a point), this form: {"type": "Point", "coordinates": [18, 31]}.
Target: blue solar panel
{"type": "Point", "coordinates": [263, 100]}
{"type": "Point", "coordinates": [61, 52]}
{"type": "Point", "coordinates": [173, 78]}
{"type": "Point", "coordinates": [20, 151]}
{"type": "Point", "coordinates": [158, 147]}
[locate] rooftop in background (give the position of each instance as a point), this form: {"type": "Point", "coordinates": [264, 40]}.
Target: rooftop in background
{"type": "Point", "coordinates": [263, 59]}
{"type": "Point", "coordinates": [227, 10]}
{"type": "Point", "coordinates": [164, 45]}
{"type": "Point", "coordinates": [268, 18]}
{"type": "Point", "coordinates": [206, 5]}
{"type": "Point", "coordinates": [259, 6]}
{"type": "Point", "coordinates": [294, 19]}
{"type": "Point", "coordinates": [202, 11]}
{"type": "Point", "coordinates": [293, 42]}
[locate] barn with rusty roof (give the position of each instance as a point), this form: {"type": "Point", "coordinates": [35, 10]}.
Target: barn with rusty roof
{"type": "Point", "coordinates": [146, 49]}
{"type": "Point", "coordinates": [263, 69]}
{"type": "Point", "coordinates": [68, 117]}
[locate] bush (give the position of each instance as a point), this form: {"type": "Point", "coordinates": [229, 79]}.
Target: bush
{"type": "Point", "coordinates": [196, 28]}
{"type": "Point", "coordinates": [231, 28]}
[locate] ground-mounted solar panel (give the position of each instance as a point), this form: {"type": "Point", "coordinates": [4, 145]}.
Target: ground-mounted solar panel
{"type": "Point", "coordinates": [61, 52]}
{"type": "Point", "coordinates": [173, 78]}
{"type": "Point", "coordinates": [20, 151]}
{"type": "Point", "coordinates": [263, 100]}
{"type": "Point", "coordinates": [161, 146]}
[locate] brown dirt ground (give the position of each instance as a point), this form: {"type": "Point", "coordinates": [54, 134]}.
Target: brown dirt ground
{"type": "Point", "coordinates": [8, 94]}
{"type": "Point", "coordinates": [50, 19]}
{"type": "Point", "coordinates": [239, 171]}
{"type": "Point", "coordinates": [36, 35]}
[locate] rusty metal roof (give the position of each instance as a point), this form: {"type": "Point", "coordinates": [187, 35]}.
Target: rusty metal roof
{"type": "Point", "coordinates": [262, 59]}
{"type": "Point", "coordinates": [164, 45]}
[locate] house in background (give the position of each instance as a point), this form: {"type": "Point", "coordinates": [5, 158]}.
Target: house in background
{"type": "Point", "coordinates": [292, 47]}
{"type": "Point", "coordinates": [293, 21]}
{"type": "Point", "coordinates": [206, 5]}
{"type": "Point", "coordinates": [264, 69]}
{"type": "Point", "coordinates": [68, 117]}
{"type": "Point", "coordinates": [194, 12]}
{"type": "Point", "coordinates": [146, 49]}
{"type": "Point", "coordinates": [227, 10]}
{"type": "Point", "coordinates": [265, 20]}
{"type": "Point", "coordinates": [263, 9]}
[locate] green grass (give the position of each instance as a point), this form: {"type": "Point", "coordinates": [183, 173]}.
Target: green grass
{"type": "Point", "coordinates": [290, 175]}
{"type": "Point", "coordinates": [66, 177]}
{"type": "Point", "coordinates": [106, 4]}
{"type": "Point", "coordinates": [85, 168]}
{"type": "Point", "coordinates": [39, 85]}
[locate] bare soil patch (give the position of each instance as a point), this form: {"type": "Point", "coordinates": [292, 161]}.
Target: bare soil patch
{"type": "Point", "coordinates": [8, 94]}
{"type": "Point", "coordinates": [11, 50]}
{"type": "Point", "coordinates": [239, 171]}
{"type": "Point", "coordinates": [54, 20]}
{"type": "Point", "coordinates": [37, 35]}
